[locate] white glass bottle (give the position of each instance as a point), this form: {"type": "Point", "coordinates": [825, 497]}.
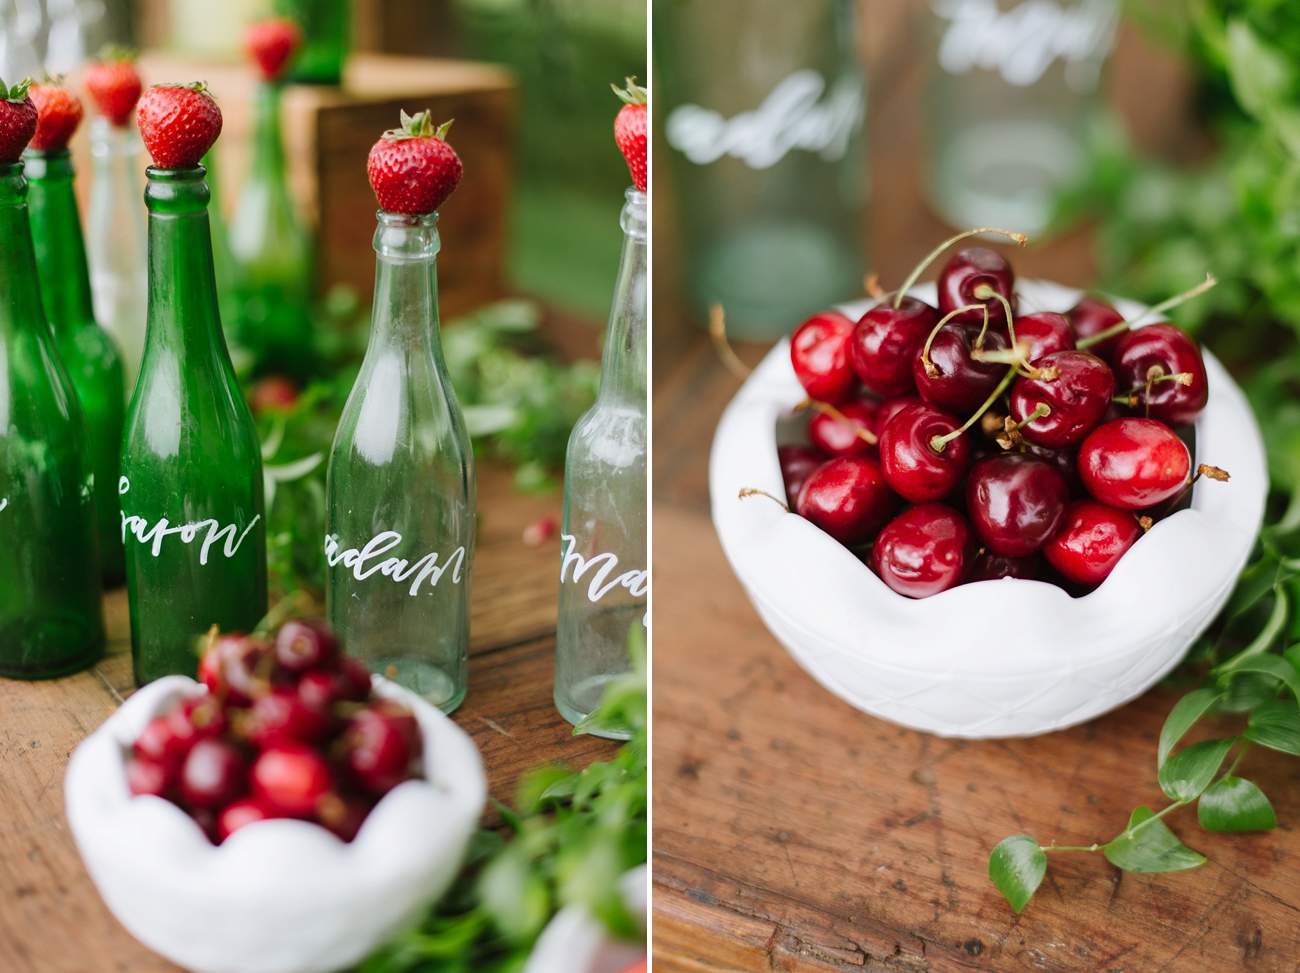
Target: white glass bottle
{"type": "Point", "coordinates": [604, 577]}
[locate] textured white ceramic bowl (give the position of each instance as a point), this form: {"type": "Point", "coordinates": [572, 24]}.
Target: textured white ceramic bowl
{"type": "Point", "coordinates": [277, 896]}
{"type": "Point", "coordinates": [997, 658]}
{"type": "Point", "coordinates": [577, 942]}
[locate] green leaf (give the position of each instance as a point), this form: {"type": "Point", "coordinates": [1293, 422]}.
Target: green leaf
{"type": "Point", "coordinates": [1182, 717]}
{"type": "Point", "coordinates": [1017, 867]}
{"type": "Point", "coordinates": [1260, 77]}
{"type": "Point", "coordinates": [515, 895]}
{"type": "Point", "coordinates": [1261, 643]}
{"type": "Point", "coordinates": [1233, 804]}
{"type": "Point", "coordinates": [1276, 725]}
{"type": "Point", "coordinates": [1190, 771]}
{"type": "Point", "coordinates": [539, 782]}
{"type": "Point", "coordinates": [1273, 666]}
{"type": "Point", "coordinates": [1152, 847]}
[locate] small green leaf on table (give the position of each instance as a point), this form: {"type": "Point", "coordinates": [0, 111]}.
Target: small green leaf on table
{"type": "Point", "coordinates": [1190, 771]}
{"type": "Point", "coordinates": [1016, 867]}
{"type": "Point", "coordinates": [1276, 724]}
{"type": "Point", "coordinates": [1233, 804]}
{"type": "Point", "coordinates": [1185, 713]}
{"type": "Point", "coordinates": [1149, 846]}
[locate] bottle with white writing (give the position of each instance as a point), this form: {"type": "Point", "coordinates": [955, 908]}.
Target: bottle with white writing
{"type": "Point", "coordinates": [191, 483]}
{"type": "Point", "coordinates": [401, 493]}
{"type": "Point", "coordinates": [51, 602]}
{"type": "Point", "coordinates": [603, 570]}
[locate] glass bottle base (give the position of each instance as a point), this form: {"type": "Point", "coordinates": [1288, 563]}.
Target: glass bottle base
{"type": "Point", "coordinates": [586, 694]}
{"type": "Point", "coordinates": [422, 678]}
{"type": "Point", "coordinates": [51, 638]}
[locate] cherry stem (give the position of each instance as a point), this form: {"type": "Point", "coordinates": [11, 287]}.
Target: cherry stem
{"type": "Point", "coordinates": [1204, 469]}
{"type": "Point", "coordinates": [871, 284]}
{"type": "Point", "coordinates": [751, 492]}
{"type": "Point", "coordinates": [825, 408]}
{"type": "Point", "coordinates": [919, 269]}
{"type": "Point", "coordinates": [1041, 411]}
{"type": "Point", "coordinates": [937, 443]}
{"type": "Point", "coordinates": [718, 332]}
{"type": "Point", "coordinates": [925, 352]}
{"type": "Point", "coordinates": [1122, 326]}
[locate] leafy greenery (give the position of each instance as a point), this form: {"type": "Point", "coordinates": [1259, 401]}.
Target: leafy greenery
{"type": "Point", "coordinates": [570, 837]}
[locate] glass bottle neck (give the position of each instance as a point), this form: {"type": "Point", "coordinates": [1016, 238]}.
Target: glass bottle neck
{"type": "Point", "coordinates": [59, 246]}
{"type": "Point", "coordinates": [20, 297]}
{"type": "Point", "coordinates": [623, 365]}
{"type": "Point", "coordinates": [183, 319]}
{"type": "Point", "coordinates": [108, 141]}
{"type": "Point", "coordinates": [406, 280]}
{"type": "Point", "coordinates": [268, 146]}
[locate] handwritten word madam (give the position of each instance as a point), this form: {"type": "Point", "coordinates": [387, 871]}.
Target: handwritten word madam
{"type": "Point", "coordinates": [397, 568]}
{"type": "Point", "coordinates": [635, 581]}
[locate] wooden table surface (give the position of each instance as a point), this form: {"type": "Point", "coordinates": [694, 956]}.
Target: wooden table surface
{"type": "Point", "coordinates": [51, 918]}
{"type": "Point", "coordinates": [792, 832]}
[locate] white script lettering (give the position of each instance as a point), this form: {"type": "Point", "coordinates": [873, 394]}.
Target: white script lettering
{"type": "Point", "coordinates": [635, 581]}
{"type": "Point", "coordinates": [154, 536]}
{"type": "Point", "coordinates": [396, 568]}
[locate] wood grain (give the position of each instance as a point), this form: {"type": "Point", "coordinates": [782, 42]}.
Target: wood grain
{"type": "Point", "coordinates": [792, 832]}
{"type": "Point", "coordinates": [51, 918]}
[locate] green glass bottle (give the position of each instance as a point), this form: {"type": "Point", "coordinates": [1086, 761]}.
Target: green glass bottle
{"type": "Point", "coordinates": [272, 252]}
{"type": "Point", "coordinates": [51, 599]}
{"type": "Point", "coordinates": [325, 27]}
{"type": "Point", "coordinates": [191, 483]}
{"type": "Point", "coordinates": [89, 355]}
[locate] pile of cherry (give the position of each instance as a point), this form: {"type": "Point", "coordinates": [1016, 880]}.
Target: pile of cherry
{"type": "Point", "coordinates": [968, 443]}
{"type": "Point", "coordinates": [289, 728]}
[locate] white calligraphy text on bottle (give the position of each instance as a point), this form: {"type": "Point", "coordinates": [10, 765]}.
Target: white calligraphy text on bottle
{"type": "Point", "coordinates": [636, 581]}
{"type": "Point", "coordinates": [140, 528]}
{"type": "Point", "coordinates": [397, 568]}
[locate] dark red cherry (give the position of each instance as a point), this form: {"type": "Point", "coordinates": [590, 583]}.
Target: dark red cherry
{"type": "Point", "coordinates": [913, 468]}
{"type": "Point", "coordinates": [885, 341]}
{"type": "Point", "coordinates": [819, 352]}
{"type": "Point", "coordinates": [214, 774]}
{"type": "Point", "coordinates": [892, 407]}
{"type": "Point", "coordinates": [797, 463]}
{"type": "Point", "coordinates": [354, 684]}
{"type": "Point", "coordinates": [1076, 397]}
{"type": "Point", "coordinates": [196, 717]}
{"type": "Point", "coordinates": [847, 498]}
{"type": "Point", "coordinates": [145, 776]}
{"type": "Point", "coordinates": [344, 815]}
{"type": "Point", "coordinates": [954, 380]}
{"type": "Point", "coordinates": [1091, 316]}
{"type": "Point", "coordinates": [1015, 502]}
{"type": "Point", "coordinates": [1091, 541]}
{"type": "Point", "coordinates": [234, 816]}
{"type": "Point", "coordinates": [233, 668]}
{"type": "Point", "coordinates": [1065, 460]}
{"type": "Point", "coordinates": [290, 779]}
{"type": "Point", "coordinates": [1134, 463]}
{"type": "Point", "coordinates": [1158, 350]}
{"type": "Point", "coordinates": [992, 567]}
{"type": "Point", "coordinates": [381, 743]}
{"type": "Point", "coordinates": [159, 742]}
{"type": "Point", "coordinates": [282, 716]}
{"type": "Point", "coordinates": [962, 276]}
{"type": "Point", "coordinates": [1046, 332]}
{"type": "Point", "coordinates": [924, 550]}
{"type": "Point", "coordinates": [305, 644]}
{"type": "Point", "coordinates": [836, 437]}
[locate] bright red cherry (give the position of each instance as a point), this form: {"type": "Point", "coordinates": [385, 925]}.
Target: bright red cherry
{"type": "Point", "coordinates": [196, 717]}
{"type": "Point", "coordinates": [1065, 460]}
{"type": "Point", "coordinates": [1075, 389]}
{"type": "Point", "coordinates": [847, 498]}
{"type": "Point", "coordinates": [797, 463]}
{"type": "Point", "coordinates": [892, 407]}
{"type": "Point", "coordinates": [835, 437]}
{"type": "Point", "coordinates": [913, 468]}
{"type": "Point", "coordinates": [886, 340]}
{"type": "Point", "coordinates": [1091, 316]}
{"type": "Point", "coordinates": [282, 716]}
{"type": "Point", "coordinates": [144, 776]}
{"type": "Point", "coordinates": [1154, 354]}
{"type": "Point", "coordinates": [1046, 332]}
{"type": "Point", "coordinates": [234, 816]}
{"type": "Point", "coordinates": [306, 644]}
{"type": "Point", "coordinates": [159, 742]}
{"type": "Point", "coordinates": [290, 779]}
{"type": "Point", "coordinates": [992, 567]}
{"type": "Point", "coordinates": [819, 352]}
{"type": "Point", "coordinates": [969, 271]}
{"type": "Point", "coordinates": [953, 379]}
{"type": "Point", "coordinates": [381, 743]}
{"type": "Point", "coordinates": [1091, 541]}
{"type": "Point", "coordinates": [1134, 463]}
{"type": "Point", "coordinates": [1015, 502]}
{"type": "Point", "coordinates": [924, 550]}
{"type": "Point", "coordinates": [214, 774]}
{"type": "Point", "coordinates": [233, 666]}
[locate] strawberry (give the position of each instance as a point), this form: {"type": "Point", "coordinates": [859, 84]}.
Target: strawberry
{"type": "Point", "coordinates": [114, 84]}
{"type": "Point", "coordinates": [179, 123]}
{"type": "Point", "coordinates": [629, 129]}
{"type": "Point", "coordinates": [17, 120]}
{"type": "Point", "coordinates": [272, 43]}
{"type": "Point", "coordinates": [58, 113]}
{"type": "Point", "coordinates": [412, 170]}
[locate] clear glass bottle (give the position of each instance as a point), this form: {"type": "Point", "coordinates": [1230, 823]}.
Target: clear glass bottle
{"type": "Point", "coordinates": [51, 600]}
{"type": "Point", "coordinates": [89, 355]}
{"type": "Point", "coordinates": [764, 127]}
{"type": "Point", "coordinates": [115, 244]}
{"type": "Point", "coordinates": [604, 577]}
{"type": "Point", "coordinates": [401, 496]}
{"type": "Point", "coordinates": [272, 251]}
{"type": "Point", "coordinates": [191, 483]}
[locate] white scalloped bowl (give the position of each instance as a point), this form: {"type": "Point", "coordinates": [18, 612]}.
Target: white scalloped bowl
{"type": "Point", "coordinates": [996, 658]}
{"type": "Point", "coordinates": [280, 896]}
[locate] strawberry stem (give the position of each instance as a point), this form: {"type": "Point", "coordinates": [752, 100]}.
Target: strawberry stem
{"type": "Point", "coordinates": [634, 94]}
